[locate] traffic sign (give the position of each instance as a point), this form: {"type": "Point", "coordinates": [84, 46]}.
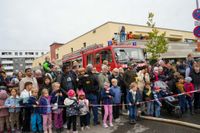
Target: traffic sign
{"type": "Point", "coordinates": [196, 31]}
{"type": "Point", "coordinates": [196, 14]}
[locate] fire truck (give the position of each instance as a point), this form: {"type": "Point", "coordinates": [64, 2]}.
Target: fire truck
{"type": "Point", "coordinates": [117, 55]}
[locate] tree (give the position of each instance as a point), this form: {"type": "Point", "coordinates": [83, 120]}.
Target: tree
{"type": "Point", "coordinates": [157, 43]}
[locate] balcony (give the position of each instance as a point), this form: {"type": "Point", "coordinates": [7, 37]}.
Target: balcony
{"type": "Point", "coordinates": [6, 62]}
{"type": "Point", "coordinates": [28, 66]}
{"type": "Point", "coordinates": [8, 67]}
{"type": "Point", "coordinates": [28, 61]}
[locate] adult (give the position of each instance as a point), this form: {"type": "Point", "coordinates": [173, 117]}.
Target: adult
{"type": "Point", "coordinates": [122, 34]}
{"type": "Point", "coordinates": [68, 81]}
{"type": "Point", "coordinates": [89, 84]}
{"type": "Point", "coordinates": [195, 75]}
{"type": "Point", "coordinates": [28, 78]}
{"type": "Point", "coordinates": [103, 76]}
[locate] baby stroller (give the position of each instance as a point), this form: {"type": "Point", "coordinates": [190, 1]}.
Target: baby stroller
{"type": "Point", "coordinates": [170, 103]}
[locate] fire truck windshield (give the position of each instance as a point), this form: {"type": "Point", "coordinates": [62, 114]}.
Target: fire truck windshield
{"type": "Point", "coordinates": [124, 55]}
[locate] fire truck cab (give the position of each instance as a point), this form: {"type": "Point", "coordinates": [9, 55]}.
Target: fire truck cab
{"type": "Point", "coordinates": [116, 55]}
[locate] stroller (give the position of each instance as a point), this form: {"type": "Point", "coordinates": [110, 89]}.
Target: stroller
{"type": "Point", "coordinates": [170, 103]}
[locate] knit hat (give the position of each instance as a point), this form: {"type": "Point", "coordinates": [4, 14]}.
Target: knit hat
{"type": "Point", "coordinates": [188, 79]}
{"type": "Point", "coordinates": [71, 93]}
{"type": "Point", "coordinates": [81, 93]}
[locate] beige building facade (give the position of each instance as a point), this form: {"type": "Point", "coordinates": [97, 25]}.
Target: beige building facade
{"type": "Point", "coordinates": [105, 32]}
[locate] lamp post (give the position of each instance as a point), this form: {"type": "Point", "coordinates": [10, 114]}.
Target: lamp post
{"type": "Point", "coordinates": [197, 3]}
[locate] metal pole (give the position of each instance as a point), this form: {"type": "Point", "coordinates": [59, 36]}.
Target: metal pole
{"type": "Point", "coordinates": [197, 3]}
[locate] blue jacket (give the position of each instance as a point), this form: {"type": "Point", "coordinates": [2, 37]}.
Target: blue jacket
{"type": "Point", "coordinates": [138, 97]}
{"type": "Point", "coordinates": [117, 92]}
{"type": "Point", "coordinates": [46, 106]}
{"type": "Point", "coordinates": [32, 101]}
{"type": "Point", "coordinates": [11, 101]}
{"type": "Point", "coordinates": [105, 97]}
{"type": "Point", "coordinates": [59, 99]}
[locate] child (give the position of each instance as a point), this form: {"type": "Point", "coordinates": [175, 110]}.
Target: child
{"type": "Point", "coordinates": [46, 111]}
{"type": "Point", "coordinates": [25, 94]}
{"type": "Point", "coordinates": [57, 100]}
{"type": "Point", "coordinates": [84, 111]}
{"type": "Point", "coordinates": [148, 96]}
{"type": "Point", "coordinates": [157, 104]}
{"type": "Point", "coordinates": [107, 100]}
{"type": "Point", "coordinates": [180, 89]}
{"type": "Point", "coordinates": [116, 99]}
{"type": "Point", "coordinates": [4, 114]}
{"type": "Point", "coordinates": [72, 110]}
{"type": "Point", "coordinates": [36, 120]}
{"type": "Point", "coordinates": [133, 99]}
{"type": "Point", "coordinates": [188, 86]}
{"type": "Point", "coordinates": [13, 103]}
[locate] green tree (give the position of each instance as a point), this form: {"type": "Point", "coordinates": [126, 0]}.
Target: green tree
{"type": "Point", "coordinates": [157, 43]}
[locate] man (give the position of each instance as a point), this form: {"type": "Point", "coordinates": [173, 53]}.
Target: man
{"type": "Point", "coordinates": [89, 84]}
{"type": "Point", "coordinates": [195, 75]}
{"type": "Point", "coordinates": [29, 78]}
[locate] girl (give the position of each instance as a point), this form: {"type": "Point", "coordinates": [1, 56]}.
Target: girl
{"type": "Point", "coordinates": [133, 99]}
{"type": "Point", "coordinates": [13, 103]}
{"type": "Point", "coordinates": [4, 114]}
{"type": "Point", "coordinates": [46, 111]}
{"type": "Point", "coordinates": [72, 110]}
{"type": "Point", "coordinates": [57, 99]}
{"type": "Point", "coordinates": [84, 111]}
{"type": "Point", "coordinates": [47, 84]}
{"type": "Point", "coordinates": [107, 100]}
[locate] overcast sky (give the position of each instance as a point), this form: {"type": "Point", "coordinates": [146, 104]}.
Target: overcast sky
{"type": "Point", "coordinates": [35, 24]}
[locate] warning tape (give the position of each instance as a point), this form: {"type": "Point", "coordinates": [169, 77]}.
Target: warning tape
{"type": "Point", "coordinates": [99, 105]}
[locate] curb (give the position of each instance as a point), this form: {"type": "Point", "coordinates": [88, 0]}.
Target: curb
{"type": "Point", "coordinates": [191, 125]}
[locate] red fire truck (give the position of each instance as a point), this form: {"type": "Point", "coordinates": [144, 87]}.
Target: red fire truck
{"type": "Point", "coordinates": [116, 55]}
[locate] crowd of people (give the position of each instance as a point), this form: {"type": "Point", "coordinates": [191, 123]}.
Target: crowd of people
{"type": "Point", "coordinates": [46, 99]}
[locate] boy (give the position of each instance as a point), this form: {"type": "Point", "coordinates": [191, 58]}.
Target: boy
{"type": "Point", "coordinates": [36, 120]}
{"type": "Point", "coordinates": [25, 94]}
{"type": "Point", "coordinates": [133, 99]}
{"type": "Point", "coordinates": [116, 99]}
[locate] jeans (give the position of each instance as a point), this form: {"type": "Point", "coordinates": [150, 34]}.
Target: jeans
{"type": "Point", "coordinates": [108, 112]}
{"type": "Point", "coordinates": [26, 120]}
{"type": "Point", "coordinates": [150, 108]}
{"type": "Point", "coordinates": [182, 103]}
{"type": "Point", "coordinates": [36, 122]}
{"type": "Point", "coordinates": [132, 112]}
{"type": "Point", "coordinates": [197, 100]}
{"type": "Point", "coordinates": [189, 101]}
{"type": "Point", "coordinates": [157, 110]}
{"type": "Point", "coordinates": [93, 100]}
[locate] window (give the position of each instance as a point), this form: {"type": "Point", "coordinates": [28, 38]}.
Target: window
{"type": "Point", "coordinates": [106, 55]}
{"type": "Point", "coordinates": [98, 58]}
{"type": "Point", "coordinates": [42, 53]}
{"type": "Point", "coordinates": [36, 53]}
{"type": "Point", "coordinates": [72, 50]}
{"type": "Point", "coordinates": [20, 53]}
{"type": "Point", "coordinates": [89, 59]}
{"type": "Point", "coordinates": [57, 56]}
{"type": "Point", "coordinates": [84, 44]}
{"type": "Point", "coordinates": [26, 53]}
{"type": "Point", "coordinates": [16, 53]}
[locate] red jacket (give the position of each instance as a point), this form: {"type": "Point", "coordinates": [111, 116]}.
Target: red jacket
{"type": "Point", "coordinates": [188, 88]}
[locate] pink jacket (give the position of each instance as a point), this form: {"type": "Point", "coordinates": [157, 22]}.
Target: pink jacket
{"type": "Point", "coordinates": [189, 87]}
{"type": "Point", "coordinates": [3, 97]}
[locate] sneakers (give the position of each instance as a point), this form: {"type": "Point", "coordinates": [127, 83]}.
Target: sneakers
{"type": "Point", "coordinates": [111, 125]}
{"type": "Point", "coordinates": [87, 127]}
{"type": "Point", "coordinates": [105, 125]}
{"type": "Point", "coordinates": [65, 125]}
{"type": "Point", "coordinates": [117, 120]}
{"type": "Point", "coordinates": [82, 128]}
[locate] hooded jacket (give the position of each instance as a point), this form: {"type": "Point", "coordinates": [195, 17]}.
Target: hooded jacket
{"type": "Point", "coordinates": [72, 106]}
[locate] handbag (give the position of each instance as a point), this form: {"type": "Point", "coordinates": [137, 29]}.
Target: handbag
{"type": "Point", "coordinates": [55, 105]}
